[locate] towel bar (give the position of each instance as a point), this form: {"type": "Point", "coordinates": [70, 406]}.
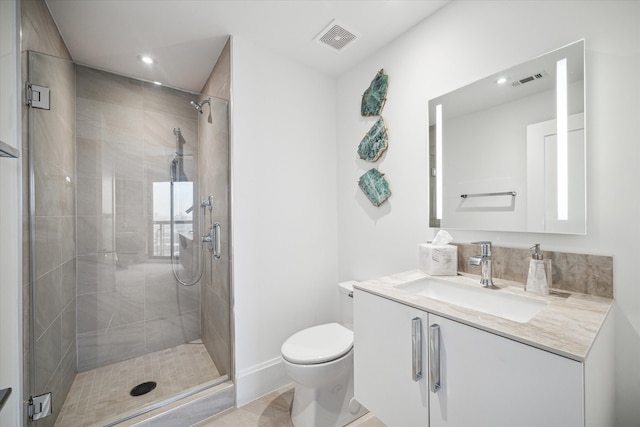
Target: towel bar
{"type": "Point", "coordinates": [4, 396]}
{"type": "Point", "coordinates": [504, 193]}
{"type": "Point", "coordinates": [8, 151]}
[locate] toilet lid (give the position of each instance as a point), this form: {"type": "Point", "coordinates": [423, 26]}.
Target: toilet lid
{"type": "Point", "coordinates": [318, 344]}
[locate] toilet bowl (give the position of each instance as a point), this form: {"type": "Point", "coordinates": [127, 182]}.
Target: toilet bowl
{"type": "Point", "coordinates": [319, 360]}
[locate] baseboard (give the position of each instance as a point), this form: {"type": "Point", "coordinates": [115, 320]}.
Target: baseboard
{"type": "Point", "coordinates": [258, 380]}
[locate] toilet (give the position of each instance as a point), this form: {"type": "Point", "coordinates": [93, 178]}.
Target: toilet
{"type": "Point", "coordinates": [319, 360]}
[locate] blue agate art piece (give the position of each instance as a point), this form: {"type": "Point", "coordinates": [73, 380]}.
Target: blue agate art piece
{"type": "Point", "coordinates": [374, 186]}
{"type": "Point", "coordinates": [375, 96]}
{"type": "Point", "coordinates": [374, 142]}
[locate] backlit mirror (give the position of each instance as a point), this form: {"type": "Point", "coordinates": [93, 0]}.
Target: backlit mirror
{"type": "Point", "coordinates": [507, 153]}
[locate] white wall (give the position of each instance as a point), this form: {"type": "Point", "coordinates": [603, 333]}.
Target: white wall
{"type": "Point", "coordinates": [10, 215]}
{"type": "Point", "coordinates": [284, 209]}
{"type": "Point", "coordinates": [461, 43]}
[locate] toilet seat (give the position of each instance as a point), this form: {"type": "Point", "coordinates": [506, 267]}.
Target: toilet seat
{"type": "Point", "coordinates": [318, 344]}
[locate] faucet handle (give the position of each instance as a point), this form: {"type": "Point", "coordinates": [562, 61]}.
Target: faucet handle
{"type": "Point", "coordinates": [485, 247]}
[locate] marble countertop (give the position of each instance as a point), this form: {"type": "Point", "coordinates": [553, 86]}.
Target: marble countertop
{"type": "Point", "coordinates": [567, 326]}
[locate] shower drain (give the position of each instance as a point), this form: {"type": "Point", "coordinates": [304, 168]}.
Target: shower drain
{"type": "Point", "coordinates": [143, 388]}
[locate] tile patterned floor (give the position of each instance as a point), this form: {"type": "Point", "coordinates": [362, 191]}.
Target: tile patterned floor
{"type": "Point", "coordinates": [271, 410]}
{"type": "Point", "coordinates": [103, 393]}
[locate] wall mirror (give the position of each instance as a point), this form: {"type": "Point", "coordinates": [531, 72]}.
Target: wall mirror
{"type": "Point", "coordinates": [507, 153]}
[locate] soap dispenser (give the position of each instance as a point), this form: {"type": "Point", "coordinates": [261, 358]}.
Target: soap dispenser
{"type": "Point", "coordinates": [539, 276]}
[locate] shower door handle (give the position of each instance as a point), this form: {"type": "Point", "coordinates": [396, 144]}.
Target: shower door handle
{"type": "Point", "coordinates": [215, 243]}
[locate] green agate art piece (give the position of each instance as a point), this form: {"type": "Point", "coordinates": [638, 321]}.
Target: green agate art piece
{"type": "Point", "coordinates": [374, 97]}
{"type": "Point", "coordinates": [374, 186]}
{"type": "Point", "coordinates": [374, 142]}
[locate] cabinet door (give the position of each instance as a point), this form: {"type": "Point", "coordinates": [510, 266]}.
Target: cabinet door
{"type": "Point", "coordinates": [491, 381]}
{"type": "Point", "coordinates": [384, 356]}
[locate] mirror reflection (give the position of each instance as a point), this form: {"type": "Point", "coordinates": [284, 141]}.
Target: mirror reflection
{"type": "Point", "coordinates": [507, 153]}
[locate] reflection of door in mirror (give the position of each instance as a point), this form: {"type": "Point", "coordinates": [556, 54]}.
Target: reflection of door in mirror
{"type": "Point", "coordinates": [543, 195]}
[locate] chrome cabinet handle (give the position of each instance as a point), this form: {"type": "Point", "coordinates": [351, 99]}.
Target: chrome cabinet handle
{"type": "Point", "coordinates": [217, 246]}
{"type": "Point", "coordinates": [434, 358]}
{"type": "Point", "coordinates": [416, 353]}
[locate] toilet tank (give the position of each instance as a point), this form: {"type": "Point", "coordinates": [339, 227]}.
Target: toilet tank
{"type": "Point", "coordinates": [345, 303]}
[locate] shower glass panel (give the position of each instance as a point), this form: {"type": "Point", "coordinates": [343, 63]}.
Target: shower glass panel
{"type": "Point", "coordinates": [106, 299]}
{"type": "Point", "coordinates": [50, 179]}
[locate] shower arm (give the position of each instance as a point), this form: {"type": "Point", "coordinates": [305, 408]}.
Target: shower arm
{"type": "Point", "coordinates": [199, 105]}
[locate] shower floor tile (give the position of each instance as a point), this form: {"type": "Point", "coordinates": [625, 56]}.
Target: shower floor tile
{"type": "Point", "coordinates": [103, 393]}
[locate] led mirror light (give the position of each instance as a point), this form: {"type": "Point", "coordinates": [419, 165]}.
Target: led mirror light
{"type": "Point", "coordinates": [439, 161]}
{"type": "Point", "coordinates": [562, 140]}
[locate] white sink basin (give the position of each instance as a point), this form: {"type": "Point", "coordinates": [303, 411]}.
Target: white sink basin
{"type": "Point", "coordinates": [490, 301]}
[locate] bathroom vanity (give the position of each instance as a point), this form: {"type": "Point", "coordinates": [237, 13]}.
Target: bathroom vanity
{"type": "Point", "coordinates": [460, 356]}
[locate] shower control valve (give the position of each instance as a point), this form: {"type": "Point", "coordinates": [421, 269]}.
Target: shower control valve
{"type": "Point", "coordinates": [212, 239]}
{"type": "Point", "coordinates": [207, 202]}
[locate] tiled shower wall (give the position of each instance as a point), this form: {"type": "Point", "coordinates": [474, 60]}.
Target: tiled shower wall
{"type": "Point", "coordinates": [128, 300]}
{"type": "Point", "coordinates": [214, 179]}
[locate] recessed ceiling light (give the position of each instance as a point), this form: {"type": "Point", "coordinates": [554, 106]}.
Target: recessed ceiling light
{"type": "Point", "coordinates": [146, 59]}
{"type": "Point", "coordinates": [501, 80]}
{"type": "Point", "coordinates": [157, 83]}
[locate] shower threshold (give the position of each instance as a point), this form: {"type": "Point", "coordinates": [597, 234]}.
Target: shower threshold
{"type": "Point", "coordinates": [220, 387]}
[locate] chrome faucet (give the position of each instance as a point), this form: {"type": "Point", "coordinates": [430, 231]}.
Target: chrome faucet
{"type": "Point", "coordinates": [484, 261]}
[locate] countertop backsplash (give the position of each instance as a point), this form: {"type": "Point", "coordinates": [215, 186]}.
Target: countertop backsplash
{"type": "Point", "coordinates": [587, 274]}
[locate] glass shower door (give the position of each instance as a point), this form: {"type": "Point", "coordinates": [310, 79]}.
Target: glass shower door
{"type": "Point", "coordinates": [50, 356]}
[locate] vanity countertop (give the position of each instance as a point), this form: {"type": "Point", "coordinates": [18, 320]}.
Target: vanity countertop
{"type": "Point", "coordinates": [567, 326]}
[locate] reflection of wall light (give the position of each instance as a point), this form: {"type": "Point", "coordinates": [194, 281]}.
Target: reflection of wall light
{"type": "Point", "coordinates": [563, 156]}
{"type": "Point", "coordinates": [146, 59]}
{"type": "Point", "coordinates": [439, 161]}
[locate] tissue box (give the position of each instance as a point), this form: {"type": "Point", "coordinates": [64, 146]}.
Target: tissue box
{"type": "Point", "coordinates": [439, 260]}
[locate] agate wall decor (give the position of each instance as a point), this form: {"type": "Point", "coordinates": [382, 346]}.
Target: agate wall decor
{"type": "Point", "coordinates": [374, 142]}
{"type": "Point", "coordinates": [374, 97]}
{"type": "Point", "coordinates": [374, 186]}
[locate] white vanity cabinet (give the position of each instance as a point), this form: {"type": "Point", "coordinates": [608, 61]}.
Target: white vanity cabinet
{"type": "Point", "coordinates": [488, 380]}
{"type": "Point", "coordinates": [384, 357]}
{"type": "Point", "coordinates": [485, 379]}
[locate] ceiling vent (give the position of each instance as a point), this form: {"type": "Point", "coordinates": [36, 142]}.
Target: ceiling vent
{"type": "Point", "coordinates": [530, 78]}
{"type": "Point", "coordinates": [336, 37]}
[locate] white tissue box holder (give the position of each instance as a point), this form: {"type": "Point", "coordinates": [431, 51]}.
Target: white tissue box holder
{"type": "Point", "coordinates": [438, 260]}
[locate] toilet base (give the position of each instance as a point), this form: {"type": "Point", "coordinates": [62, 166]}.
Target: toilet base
{"type": "Point", "coordinates": [331, 406]}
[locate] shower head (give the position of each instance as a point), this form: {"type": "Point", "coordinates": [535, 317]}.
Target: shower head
{"type": "Point", "coordinates": [198, 106]}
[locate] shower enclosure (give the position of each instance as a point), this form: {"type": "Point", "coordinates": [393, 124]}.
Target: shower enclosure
{"type": "Point", "coordinates": [124, 179]}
